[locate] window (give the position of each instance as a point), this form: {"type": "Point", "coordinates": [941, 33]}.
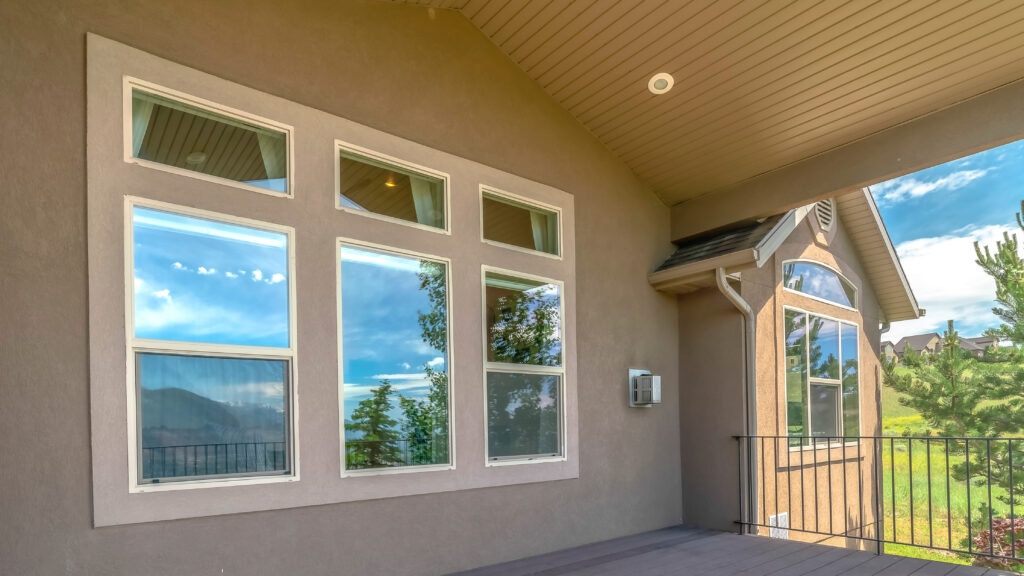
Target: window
{"type": "Point", "coordinates": [395, 362]}
{"type": "Point", "coordinates": [210, 341]}
{"type": "Point", "coordinates": [524, 366]}
{"type": "Point", "coordinates": [372, 184]}
{"type": "Point", "coordinates": [509, 221]}
{"type": "Point", "coordinates": [818, 281]}
{"type": "Point", "coordinates": [172, 131]}
{"type": "Point", "coordinates": [822, 386]}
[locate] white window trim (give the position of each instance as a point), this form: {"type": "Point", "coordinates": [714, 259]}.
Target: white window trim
{"type": "Point", "coordinates": [343, 146]}
{"type": "Point", "coordinates": [130, 82]}
{"type": "Point", "coordinates": [147, 345]}
{"type": "Point", "coordinates": [449, 361]}
{"type": "Point", "coordinates": [492, 191]}
{"type": "Point", "coordinates": [508, 368]}
{"type": "Point", "coordinates": [856, 290]}
{"type": "Point", "coordinates": [838, 383]}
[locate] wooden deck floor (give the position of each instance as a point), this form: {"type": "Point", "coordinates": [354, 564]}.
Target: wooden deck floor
{"type": "Point", "coordinates": [682, 550]}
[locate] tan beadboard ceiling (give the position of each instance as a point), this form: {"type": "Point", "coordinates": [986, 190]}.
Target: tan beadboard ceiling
{"type": "Point", "coordinates": [758, 84]}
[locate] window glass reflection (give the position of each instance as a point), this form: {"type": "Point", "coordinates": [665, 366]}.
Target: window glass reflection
{"type": "Point", "coordinates": [522, 415]}
{"type": "Point", "coordinates": [523, 321]}
{"type": "Point", "coordinates": [394, 316]}
{"type": "Point", "coordinates": [209, 416]}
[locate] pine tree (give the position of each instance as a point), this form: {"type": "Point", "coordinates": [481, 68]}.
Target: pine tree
{"type": "Point", "coordinates": [377, 444]}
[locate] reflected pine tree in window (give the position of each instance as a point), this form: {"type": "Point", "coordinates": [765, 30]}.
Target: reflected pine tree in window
{"type": "Point", "coordinates": [522, 407]}
{"type": "Point", "coordinates": [420, 435]}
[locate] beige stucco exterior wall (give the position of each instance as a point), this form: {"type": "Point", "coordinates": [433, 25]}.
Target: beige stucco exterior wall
{"type": "Point", "coordinates": [710, 407]}
{"type": "Point", "coordinates": [426, 76]}
{"type": "Point", "coordinates": [783, 471]}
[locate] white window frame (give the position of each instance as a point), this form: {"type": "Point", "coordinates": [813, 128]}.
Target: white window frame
{"type": "Point", "coordinates": [510, 368]}
{"type": "Point", "coordinates": [356, 150]}
{"type": "Point", "coordinates": [842, 278]}
{"type": "Point", "coordinates": [136, 345]}
{"type": "Point", "coordinates": [449, 360]}
{"type": "Point", "coordinates": [130, 82]}
{"type": "Point", "coordinates": [822, 381]}
{"type": "Point", "coordinates": [517, 199]}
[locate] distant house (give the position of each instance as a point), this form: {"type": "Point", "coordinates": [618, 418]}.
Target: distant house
{"type": "Point", "coordinates": [888, 351]}
{"type": "Point", "coordinates": [931, 343]}
{"type": "Point", "coordinates": [921, 343]}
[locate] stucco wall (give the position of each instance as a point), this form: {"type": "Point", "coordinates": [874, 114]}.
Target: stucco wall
{"type": "Point", "coordinates": [428, 77]}
{"type": "Point", "coordinates": [763, 290]}
{"type": "Point", "coordinates": [710, 407]}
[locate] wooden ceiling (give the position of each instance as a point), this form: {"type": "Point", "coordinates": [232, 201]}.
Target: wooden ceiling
{"type": "Point", "coordinates": [759, 84]}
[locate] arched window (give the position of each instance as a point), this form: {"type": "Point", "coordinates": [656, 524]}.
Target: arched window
{"type": "Point", "coordinates": [818, 281]}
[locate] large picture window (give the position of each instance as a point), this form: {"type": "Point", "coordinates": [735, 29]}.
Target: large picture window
{"type": "Point", "coordinates": [395, 359]}
{"type": "Point", "coordinates": [524, 366]}
{"type": "Point", "coordinates": [210, 340]}
{"type": "Point", "coordinates": [821, 377]}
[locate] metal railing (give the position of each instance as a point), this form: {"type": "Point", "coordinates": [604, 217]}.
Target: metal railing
{"type": "Point", "coordinates": [942, 493]}
{"type": "Point", "coordinates": [403, 452]}
{"type": "Point", "coordinates": [212, 459]}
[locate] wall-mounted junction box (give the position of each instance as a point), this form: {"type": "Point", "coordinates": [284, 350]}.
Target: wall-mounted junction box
{"type": "Point", "coordinates": [644, 388]}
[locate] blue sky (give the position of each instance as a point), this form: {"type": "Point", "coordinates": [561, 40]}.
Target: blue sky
{"type": "Point", "coordinates": [934, 217]}
{"type": "Point", "coordinates": [381, 337]}
{"type": "Point", "coordinates": [203, 281]}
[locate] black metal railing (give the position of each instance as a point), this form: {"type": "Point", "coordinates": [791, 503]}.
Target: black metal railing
{"type": "Point", "coordinates": [950, 494]}
{"type": "Point", "coordinates": [385, 453]}
{"type": "Point", "coordinates": [213, 459]}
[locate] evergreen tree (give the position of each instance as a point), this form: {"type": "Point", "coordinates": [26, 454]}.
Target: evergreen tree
{"type": "Point", "coordinates": [425, 421]}
{"type": "Point", "coordinates": [377, 444]}
{"type": "Point", "coordinates": [945, 392]}
{"type": "Point", "coordinates": [1006, 267]}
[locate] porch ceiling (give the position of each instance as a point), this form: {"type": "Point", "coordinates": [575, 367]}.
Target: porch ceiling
{"type": "Point", "coordinates": [758, 85]}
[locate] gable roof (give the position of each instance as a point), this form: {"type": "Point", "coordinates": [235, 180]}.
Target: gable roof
{"type": "Point", "coordinates": [750, 244]}
{"type": "Point", "coordinates": [917, 341]}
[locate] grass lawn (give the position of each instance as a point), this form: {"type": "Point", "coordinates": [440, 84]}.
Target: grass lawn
{"type": "Point", "coordinates": [943, 500]}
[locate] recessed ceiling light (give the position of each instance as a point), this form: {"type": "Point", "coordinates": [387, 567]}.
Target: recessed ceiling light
{"type": "Point", "coordinates": [196, 158]}
{"type": "Point", "coordinates": [660, 83]}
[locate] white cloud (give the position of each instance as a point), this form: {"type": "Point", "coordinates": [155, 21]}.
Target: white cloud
{"type": "Point", "coordinates": [164, 295]}
{"type": "Point", "coordinates": [206, 271]}
{"type": "Point", "coordinates": [948, 282]}
{"type": "Point", "coordinates": [257, 275]}
{"type": "Point", "coordinates": [406, 366]}
{"type": "Point", "coordinates": [416, 376]}
{"type": "Point", "coordinates": [140, 285]}
{"type": "Point", "coordinates": [231, 275]}
{"type": "Point", "coordinates": [179, 266]}
{"type": "Point", "coordinates": [436, 362]}
{"type": "Point", "coordinates": [358, 390]}
{"type": "Point", "coordinates": [908, 187]}
{"type": "Point", "coordinates": [275, 278]}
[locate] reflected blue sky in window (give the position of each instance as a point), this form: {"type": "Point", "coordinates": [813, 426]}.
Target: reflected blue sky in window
{"type": "Point", "coordinates": [381, 299]}
{"type": "Point", "coordinates": [198, 280]}
{"type": "Point", "coordinates": [818, 281]}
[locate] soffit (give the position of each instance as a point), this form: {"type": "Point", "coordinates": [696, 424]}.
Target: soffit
{"type": "Point", "coordinates": [759, 84]}
{"type": "Point", "coordinates": [863, 224]}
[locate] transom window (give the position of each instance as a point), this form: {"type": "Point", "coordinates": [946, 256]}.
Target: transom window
{"type": "Point", "coordinates": [520, 224]}
{"type": "Point", "coordinates": [372, 184]}
{"type": "Point", "coordinates": [179, 133]}
{"type": "Point", "coordinates": [822, 377]}
{"type": "Point", "coordinates": [818, 281]}
{"type": "Point", "coordinates": [210, 339]}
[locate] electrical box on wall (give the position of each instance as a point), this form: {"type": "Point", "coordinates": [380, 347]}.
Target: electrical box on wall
{"type": "Point", "coordinates": [644, 388]}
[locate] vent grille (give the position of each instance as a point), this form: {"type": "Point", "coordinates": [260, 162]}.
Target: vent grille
{"type": "Point", "coordinates": [825, 212]}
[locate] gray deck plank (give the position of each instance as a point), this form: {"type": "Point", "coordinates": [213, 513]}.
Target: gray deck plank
{"type": "Point", "coordinates": [967, 571]}
{"type": "Point", "coordinates": [904, 567]}
{"type": "Point", "coordinates": [681, 551]}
